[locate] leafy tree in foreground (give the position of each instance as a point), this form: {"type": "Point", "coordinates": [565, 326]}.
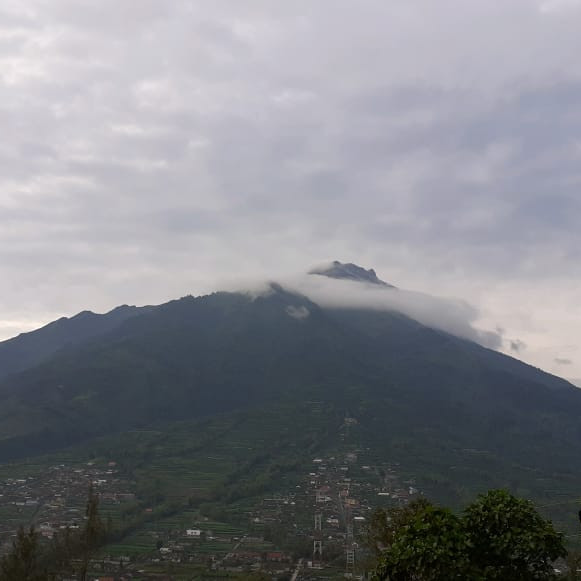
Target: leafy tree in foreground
{"type": "Point", "coordinates": [61, 553]}
{"type": "Point", "coordinates": [23, 562]}
{"type": "Point", "coordinates": [509, 539]}
{"type": "Point", "coordinates": [385, 523]}
{"type": "Point", "coordinates": [431, 546]}
{"type": "Point", "coordinates": [92, 533]}
{"type": "Point", "coordinates": [69, 553]}
{"type": "Point", "coordinates": [498, 538]}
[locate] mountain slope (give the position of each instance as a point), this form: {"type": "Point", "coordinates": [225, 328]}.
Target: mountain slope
{"type": "Point", "coordinates": [198, 356]}
{"type": "Point", "coordinates": [455, 416]}
{"type": "Point", "coordinates": [188, 358]}
{"type": "Point", "coordinates": [30, 349]}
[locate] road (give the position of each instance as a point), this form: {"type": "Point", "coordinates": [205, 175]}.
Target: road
{"type": "Point", "coordinates": [297, 570]}
{"type": "Point", "coordinates": [232, 551]}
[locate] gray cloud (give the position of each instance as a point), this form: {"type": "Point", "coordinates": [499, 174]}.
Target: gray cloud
{"type": "Point", "coordinates": [150, 148]}
{"type": "Point", "coordinates": [517, 345]}
{"type": "Point", "coordinates": [563, 361]}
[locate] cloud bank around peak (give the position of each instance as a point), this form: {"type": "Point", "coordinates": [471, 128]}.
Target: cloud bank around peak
{"type": "Point", "coordinates": [453, 316]}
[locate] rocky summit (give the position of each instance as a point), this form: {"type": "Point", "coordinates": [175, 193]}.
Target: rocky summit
{"type": "Point", "coordinates": [350, 271]}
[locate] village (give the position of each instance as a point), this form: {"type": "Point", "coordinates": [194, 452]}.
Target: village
{"type": "Point", "coordinates": [55, 498]}
{"type": "Point", "coordinates": [311, 531]}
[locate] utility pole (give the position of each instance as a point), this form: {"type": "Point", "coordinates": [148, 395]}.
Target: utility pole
{"type": "Point", "coordinates": [318, 522]}
{"type": "Point", "coordinates": [318, 542]}
{"type": "Point", "coordinates": [349, 541]}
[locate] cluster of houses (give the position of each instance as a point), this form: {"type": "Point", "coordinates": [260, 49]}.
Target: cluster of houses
{"type": "Point", "coordinates": [55, 498]}
{"type": "Point", "coordinates": [325, 511]}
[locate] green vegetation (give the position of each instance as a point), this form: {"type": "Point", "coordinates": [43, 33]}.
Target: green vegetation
{"type": "Point", "coordinates": [208, 404]}
{"type": "Point", "coordinates": [23, 563]}
{"type": "Point", "coordinates": [29, 349]}
{"type": "Point", "coordinates": [498, 537]}
{"type": "Point", "coordinates": [70, 553]}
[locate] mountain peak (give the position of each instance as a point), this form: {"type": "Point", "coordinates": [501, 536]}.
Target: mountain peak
{"type": "Point", "coordinates": [350, 271]}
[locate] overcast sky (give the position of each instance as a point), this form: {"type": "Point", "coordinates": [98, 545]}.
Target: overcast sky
{"type": "Point", "coordinates": [152, 148]}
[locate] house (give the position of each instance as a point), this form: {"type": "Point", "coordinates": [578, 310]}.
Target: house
{"type": "Point", "coordinates": [47, 530]}
{"type": "Point", "coordinates": [245, 556]}
{"type": "Point", "coordinates": [277, 557]}
{"type": "Point", "coordinates": [197, 533]}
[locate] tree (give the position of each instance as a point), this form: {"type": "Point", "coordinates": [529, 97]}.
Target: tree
{"type": "Point", "coordinates": [574, 566]}
{"type": "Point", "coordinates": [384, 524]}
{"type": "Point", "coordinates": [509, 539]}
{"type": "Point", "coordinates": [92, 533]}
{"type": "Point", "coordinates": [23, 561]}
{"type": "Point", "coordinates": [69, 553]}
{"type": "Point", "coordinates": [498, 538]}
{"type": "Point", "coordinates": [65, 545]}
{"type": "Point", "coordinates": [431, 546]}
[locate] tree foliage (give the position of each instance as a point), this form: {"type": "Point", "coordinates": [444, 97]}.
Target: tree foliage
{"type": "Point", "coordinates": [69, 553]}
{"type": "Point", "coordinates": [498, 537]}
{"type": "Point", "coordinates": [92, 533]}
{"type": "Point", "coordinates": [431, 546]}
{"type": "Point", "coordinates": [23, 563]}
{"type": "Point", "coordinates": [509, 539]}
{"type": "Point", "coordinates": [385, 523]}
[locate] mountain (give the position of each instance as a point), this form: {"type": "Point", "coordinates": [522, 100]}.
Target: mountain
{"type": "Point", "coordinates": [30, 349]}
{"type": "Point", "coordinates": [455, 414]}
{"type": "Point", "coordinates": [350, 271]}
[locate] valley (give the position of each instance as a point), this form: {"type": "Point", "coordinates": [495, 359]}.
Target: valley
{"type": "Point", "coordinates": [246, 493]}
{"type": "Point", "coordinates": [197, 518]}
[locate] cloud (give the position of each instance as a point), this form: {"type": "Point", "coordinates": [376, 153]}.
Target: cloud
{"type": "Point", "coordinates": [517, 345]}
{"type": "Point", "coordinates": [563, 361]}
{"type": "Point", "coordinates": [151, 148]}
{"type": "Point", "coordinates": [450, 315]}
{"type": "Point", "coordinates": [298, 312]}
{"type": "Point", "coordinates": [11, 328]}
{"type": "Point", "coordinates": [556, 6]}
